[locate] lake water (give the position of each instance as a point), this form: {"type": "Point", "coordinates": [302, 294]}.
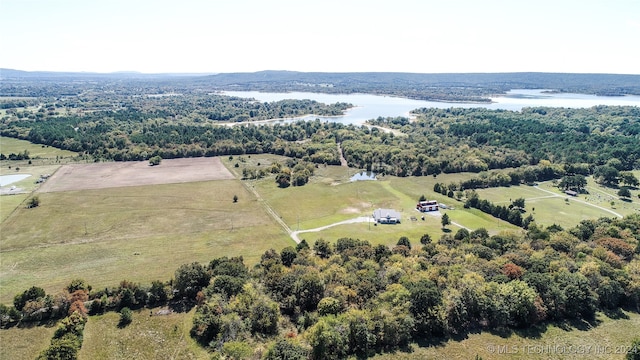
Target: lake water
{"type": "Point", "coordinates": [10, 179]}
{"type": "Point", "coordinates": [372, 106]}
{"type": "Point", "coordinates": [365, 175]}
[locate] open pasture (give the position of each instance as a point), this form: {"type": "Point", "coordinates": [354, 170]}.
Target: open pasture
{"type": "Point", "coordinates": [136, 233]}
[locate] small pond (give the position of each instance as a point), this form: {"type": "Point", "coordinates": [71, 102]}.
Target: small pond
{"type": "Point", "coordinates": [10, 179]}
{"type": "Point", "coordinates": [365, 175]}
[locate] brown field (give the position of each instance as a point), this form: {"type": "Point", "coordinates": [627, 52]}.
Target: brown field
{"type": "Point", "coordinates": [135, 173]}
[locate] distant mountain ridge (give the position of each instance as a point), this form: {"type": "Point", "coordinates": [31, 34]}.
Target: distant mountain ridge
{"type": "Point", "coordinates": [434, 86]}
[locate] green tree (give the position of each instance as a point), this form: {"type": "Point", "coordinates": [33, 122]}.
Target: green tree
{"type": "Point", "coordinates": [629, 179]}
{"type": "Point", "coordinates": [445, 220]}
{"type": "Point", "coordinates": [518, 203]}
{"type": "Point", "coordinates": [285, 349]}
{"type": "Point", "coordinates": [461, 234]}
{"type": "Point", "coordinates": [328, 339]}
{"type": "Point", "coordinates": [308, 290]}
{"type": "Point", "coordinates": [329, 306]}
{"type": "Point", "coordinates": [404, 241]}
{"type": "Point", "coordinates": [31, 294]}
{"type": "Point", "coordinates": [302, 245]}
{"type": "Point", "coordinates": [235, 198]}
{"type": "Point", "coordinates": [65, 348]}
{"type": "Point", "coordinates": [425, 239]}
{"type": "Point", "coordinates": [607, 175]}
{"type": "Point", "coordinates": [189, 279]}
{"type": "Point", "coordinates": [264, 316]}
{"type": "Point", "coordinates": [624, 192]}
{"type": "Point", "coordinates": [322, 248]}
{"type": "Point", "coordinates": [287, 255]}
{"type": "Point", "coordinates": [78, 284]}
{"type": "Point", "coordinates": [283, 179]}
{"type": "Point", "coordinates": [158, 293]}
{"type": "Point", "coordinates": [424, 297]}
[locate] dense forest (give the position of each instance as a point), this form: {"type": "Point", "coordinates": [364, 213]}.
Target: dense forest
{"type": "Point", "coordinates": [329, 301]}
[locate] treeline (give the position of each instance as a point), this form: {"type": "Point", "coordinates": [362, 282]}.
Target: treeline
{"type": "Point", "coordinates": [133, 139]}
{"type": "Point", "coordinates": [13, 156]}
{"type": "Point", "coordinates": [351, 298]}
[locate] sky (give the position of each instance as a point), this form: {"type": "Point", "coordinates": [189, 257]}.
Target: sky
{"type": "Point", "coordinates": [422, 36]}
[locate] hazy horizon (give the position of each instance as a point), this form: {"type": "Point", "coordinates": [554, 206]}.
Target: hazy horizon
{"type": "Point", "coordinates": [409, 36]}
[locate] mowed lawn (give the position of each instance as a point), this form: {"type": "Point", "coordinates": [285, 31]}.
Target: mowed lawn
{"type": "Point", "coordinates": [138, 233]}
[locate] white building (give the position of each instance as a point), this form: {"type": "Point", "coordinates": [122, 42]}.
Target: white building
{"type": "Point", "coordinates": [386, 216]}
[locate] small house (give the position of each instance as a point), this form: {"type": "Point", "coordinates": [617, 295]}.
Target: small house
{"type": "Point", "coordinates": [571, 192]}
{"type": "Point", "coordinates": [386, 216]}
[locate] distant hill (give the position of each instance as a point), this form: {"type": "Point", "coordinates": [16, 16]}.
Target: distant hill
{"type": "Point", "coordinates": [600, 84]}
{"type": "Point", "coordinates": [453, 87]}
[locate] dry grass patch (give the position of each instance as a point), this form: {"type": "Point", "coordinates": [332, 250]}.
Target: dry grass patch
{"type": "Point", "coordinates": [135, 173]}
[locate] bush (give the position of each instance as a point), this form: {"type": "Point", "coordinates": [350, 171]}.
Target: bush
{"type": "Point", "coordinates": [155, 160]}
{"type": "Point", "coordinates": [237, 350]}
{"type": "Point", "coordinates": [286, 349]}
{"type": "Point", "coordinates": [33, 202]}
{"type": "Point", "coordinates": [126, 316]}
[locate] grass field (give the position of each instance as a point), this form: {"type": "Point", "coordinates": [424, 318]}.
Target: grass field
{"type": "Point", "coordinates": [608, 340]}
{"type": "Point", "coordinates": [147, 337]}
{"type": "Point", "coordinates": [135, 233]}
{"type": "Point", "coordinates": [143, 233]}
{"type": "Point", "coordinates": [15, 146]}
{"type": "Point", "coordinates": [562, 209]}
{"type": "Point", "coordinates": [25, 342]}
{"type": "Point", "coordinates": [8, 203]}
